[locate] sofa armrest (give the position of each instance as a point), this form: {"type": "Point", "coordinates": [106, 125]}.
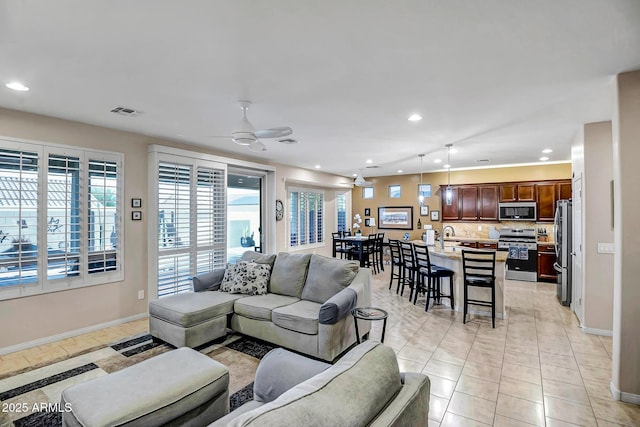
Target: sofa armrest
{"type": "Point", "coordinates": [338, 307]}
{"type": "Point", "coordinates": [279, 370]}
{"type": "Point", "coordinates": [209, 281]}
{"type": "Point", "coordinates": [361, 284]}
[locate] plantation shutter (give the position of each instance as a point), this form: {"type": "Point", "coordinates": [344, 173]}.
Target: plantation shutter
{"type": "Point", "coordinates": [211, 220]}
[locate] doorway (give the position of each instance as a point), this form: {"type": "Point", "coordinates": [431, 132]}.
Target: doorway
{"type": "Point", "coordinates": [244, 214]}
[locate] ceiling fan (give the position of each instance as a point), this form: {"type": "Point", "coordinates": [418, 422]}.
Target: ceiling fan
{"type": "Point", "coordinates": [360, 181]}
{"type": "Point", "coordinates": [248, 136]}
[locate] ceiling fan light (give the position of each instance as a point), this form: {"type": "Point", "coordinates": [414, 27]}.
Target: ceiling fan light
{"type": "Point", "coordinates": [257, 146]}
{"type": "Point", "coordinates": [243, 138]}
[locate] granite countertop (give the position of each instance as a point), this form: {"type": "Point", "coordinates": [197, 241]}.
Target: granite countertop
{"type": "Point", "coordinates": [455, 252]}
{"type": "Point", "coordinates": [470, 239]}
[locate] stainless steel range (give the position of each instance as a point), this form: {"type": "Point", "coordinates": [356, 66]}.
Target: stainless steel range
{"type": "Point", "coordinates": [522, 263]}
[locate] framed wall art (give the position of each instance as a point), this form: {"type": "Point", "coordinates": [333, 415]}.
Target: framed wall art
{"type": "Point", "coordinates": [424, 210]}
{"type": "Point", "coordinates": [395, 218]}
{"type": "Point", "coordinates": [367, 212]}
{"type": "Point", "coordinates": [435, 215]}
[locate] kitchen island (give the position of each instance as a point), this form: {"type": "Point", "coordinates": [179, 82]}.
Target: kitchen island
{"type": "Point", "coordinates": [451, 258]}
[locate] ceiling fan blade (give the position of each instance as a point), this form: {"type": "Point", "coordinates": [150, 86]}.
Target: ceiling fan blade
{"type": "Point", "coordinates": [273, 132]}
{"type": "Point", "coordinates": [257, 147]}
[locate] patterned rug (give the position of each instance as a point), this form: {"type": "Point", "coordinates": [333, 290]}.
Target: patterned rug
{"type": "Point", "coordinates": [32, 398]}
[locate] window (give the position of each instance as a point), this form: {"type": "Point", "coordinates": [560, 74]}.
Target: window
{"type": "Point", "coordinates": [367, 193]}
{"type": "Point", "coordinates": [341, 211]}
{"type": "Point", "coordinates": [59, 218]}
{"type": "Point", "coordinates": [306, 218]}
{"type": "Point", "coordinates": [191, 201]}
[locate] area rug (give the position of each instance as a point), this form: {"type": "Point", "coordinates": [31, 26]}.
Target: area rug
{"type": "Point", "coordinates": [31, 398]}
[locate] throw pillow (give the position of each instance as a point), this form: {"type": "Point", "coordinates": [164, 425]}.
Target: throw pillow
{"type": "Point", "coordinates": [289, 274]}
{"type": "Point", "coordinates": [229, 278]}
{"type": "Point", "coordinates": [258, 257]}
{"type": "Point", "coordinates": [252, 278]}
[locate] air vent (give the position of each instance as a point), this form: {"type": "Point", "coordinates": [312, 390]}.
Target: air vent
{"type": "Point", "coordinates": [288, 141]}
{"type": "Point", "coordinates": [482, 161]}
{"type": "Point", "coordinates": [124, 111]}
{"type": "Point", "coordinates": [372, 167]}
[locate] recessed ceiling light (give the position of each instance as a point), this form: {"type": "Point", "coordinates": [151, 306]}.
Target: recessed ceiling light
{"type": "Point", "coordinates": [544, 159]}
{"type": "Point", "coordinates": [547, 151]}
{"type": "Point", "coordinates": [369, 161]}
{"type": "Point", "coordinates": [17, 86]}
{"type": "Point", "coordinates": [355, 174]}
{"type": "Point", "coordinates": [447, 166]}
{"type": "Point", "coordinates": [318, 166]}
{"type": "Point", "coordinates": [400, 171]}
{"type": "Point", "coordinates": [415, 118]}
{"type": "Point", "coordinates": [437, 161]}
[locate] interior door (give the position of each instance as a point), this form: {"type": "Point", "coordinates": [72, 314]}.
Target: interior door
{"type": "Point", "coordinates": [577, 256]}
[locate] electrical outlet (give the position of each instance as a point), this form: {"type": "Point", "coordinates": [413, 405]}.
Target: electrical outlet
{"type": "Point", "coordinates": [479, 228]}
{"type": "Point", "coordinates": [141, 294]}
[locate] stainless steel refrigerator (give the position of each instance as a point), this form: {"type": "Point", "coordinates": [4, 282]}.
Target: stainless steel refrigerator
{"type": "Point", "coordinates": [562, 233]}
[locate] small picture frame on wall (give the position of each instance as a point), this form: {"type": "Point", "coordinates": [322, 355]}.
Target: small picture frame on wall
{"type": "Point", "coordinates": [367, 192]}
{"type": "Point", "coordinates": [424, 210]}
{"type": "Point", "coordinates": [435, 215]}
{"type": "Point", "coordinates": [136, 203]}
{"type": "Point", "coordinates": [367, 212]}
{"type": "Point", "coordinates": [136, 215]}
{"type": "Point", "coordinates": [367, 223]}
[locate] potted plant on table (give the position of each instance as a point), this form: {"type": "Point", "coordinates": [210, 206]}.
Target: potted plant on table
{"type": "Point", "coordinates": [246, 241]}
{"type": "Point", "coordinates": [356, 224]}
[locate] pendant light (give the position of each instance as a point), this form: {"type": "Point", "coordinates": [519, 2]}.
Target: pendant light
{"type": "Point", "coordinates": [420, 195]}
{"type": "Point", "coordinates": [448, 194]}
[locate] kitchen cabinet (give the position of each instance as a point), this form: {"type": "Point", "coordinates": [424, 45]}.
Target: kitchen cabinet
{"type": "Point", "coordinates": [469, 244]}
{"type": "Point", "coordinates": [468, 196]}
{"type": "Point", "coordinates": [546, 259]}
{"type": "Point", "coordinates": [488, 202]}
{"type": "Point", "coordinates": [563, 190]}
{"type": "Point", "coordinates": [484, 245]}
{"type": "Point", "coordinates": [546, 198]}
{"type": "Point", "coordinates": [450, 212]}
{"type": "Point", "coordinates": [517, 192]}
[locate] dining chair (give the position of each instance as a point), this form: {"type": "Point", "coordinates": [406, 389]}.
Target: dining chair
{"type": "Point", "coordinates": [339, 246]}
{"type": "Point", "coordinates": [381, 250]}
{"type": "Point", "coordinates": [396, 261]}
{"type": "Point", "coordinates": [479, 269]}
{"type": "Point", "coordinates": [432, 275]}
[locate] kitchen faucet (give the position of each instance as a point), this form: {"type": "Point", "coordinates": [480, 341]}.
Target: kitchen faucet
{"type": "Point", "coordinates": [453, 233]}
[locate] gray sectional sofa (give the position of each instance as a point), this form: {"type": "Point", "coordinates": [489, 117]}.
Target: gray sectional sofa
{"type": "Point", "coordinates": [364, 388]}
{"type": "Point", "coordinates": [306, 308]}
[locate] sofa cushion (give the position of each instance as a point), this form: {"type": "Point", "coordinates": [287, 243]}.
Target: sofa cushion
{"type": "Point", "coordinates": [208, 281]}
{"type": "Point", "coordinates": [301, 316]}
{"type": "Point", "coordinates": [289, 274]}
{"type": "Point", "coordinates": [327, 277]}
{"type": "Point", "coordinates": [192, 308]}
{"type": "Point", "coordinates": [258, 257]}
{"type": "Point", "coordinates": [260, 306]}
{"type": "Point", "coordinates": [350, 393]}
{"type": "Point", "coordinates": [251, 278]}
{"type": "Point", "coordinates": [229, 277]}
{"type": "Point", "coordinates": [338, 306]}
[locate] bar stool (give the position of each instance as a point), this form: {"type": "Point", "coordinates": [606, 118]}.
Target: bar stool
{"type": "Point", "coordinates": [433, 275]}
{"type": "Point", "coordinates": [409, 268]}
{"type": "Point", "coordinates": [396, 261]}
{"type": "Point", "coordinates": [479, 268]}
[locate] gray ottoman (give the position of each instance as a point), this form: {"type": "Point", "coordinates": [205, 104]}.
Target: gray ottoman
{"type": "Point", "coordinates": [191, 319]}
{"type": "Point", "coordinates": [181, 387]}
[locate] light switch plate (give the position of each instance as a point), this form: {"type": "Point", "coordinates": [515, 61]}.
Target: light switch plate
{"type": "Point", "coordinates": [141, 294]}
{"type": "Point", "coordinates": [605, 248]}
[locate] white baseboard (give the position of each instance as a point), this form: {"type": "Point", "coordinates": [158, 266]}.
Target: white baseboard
{"type": "Point", "coordinates": [594, 331]}
{"type": "Point", "coordinates": [69, 334]}
{"type": "Point", "coordinates": [625, 397]}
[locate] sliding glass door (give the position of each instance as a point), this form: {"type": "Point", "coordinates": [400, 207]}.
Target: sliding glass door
{"type": "Point", "coordinates": [244, 213]}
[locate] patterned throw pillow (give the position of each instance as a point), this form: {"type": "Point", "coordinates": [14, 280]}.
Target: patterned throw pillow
{"type": "Point", "coordinates": [229, 277]}
{"type": "Point", "coordinates": [252, 278]}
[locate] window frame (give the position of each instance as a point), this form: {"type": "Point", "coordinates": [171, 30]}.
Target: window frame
{"type": "Point", "coordinates": [43, 283]}
{"type": "Point", "coordinates": [307, 245]}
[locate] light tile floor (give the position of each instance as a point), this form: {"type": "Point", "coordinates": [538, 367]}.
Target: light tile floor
{"type": "Point", "coordinates": [535, 368]}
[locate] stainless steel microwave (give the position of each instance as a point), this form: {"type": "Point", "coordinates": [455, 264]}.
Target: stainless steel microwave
{"type": "Point", "coordinates": [517, 211]}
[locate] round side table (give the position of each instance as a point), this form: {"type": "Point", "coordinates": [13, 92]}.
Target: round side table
{"type": "Point", "coordinates": [369, 313]}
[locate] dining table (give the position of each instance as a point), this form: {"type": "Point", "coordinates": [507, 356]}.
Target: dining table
{"type": "Point", "coordinates": [359, 243]}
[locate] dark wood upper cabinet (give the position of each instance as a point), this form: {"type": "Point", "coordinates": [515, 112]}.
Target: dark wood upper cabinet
{"type": "Point", "coordinates": [546, 201]}
{"type": "Point", "coordinates": [563, 190]}
{"type": "Point", "coordinates": [488, 202]}
{"type": "Point", "coordinates": [450, 212]}
{"type": "Point", "coordinates": [468, 203]}
{"type": "Point", "coordinates": [514, 192]}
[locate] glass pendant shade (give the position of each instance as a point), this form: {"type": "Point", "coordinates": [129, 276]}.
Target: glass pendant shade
{"type": "Point", "coordinates": [448, 195]}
